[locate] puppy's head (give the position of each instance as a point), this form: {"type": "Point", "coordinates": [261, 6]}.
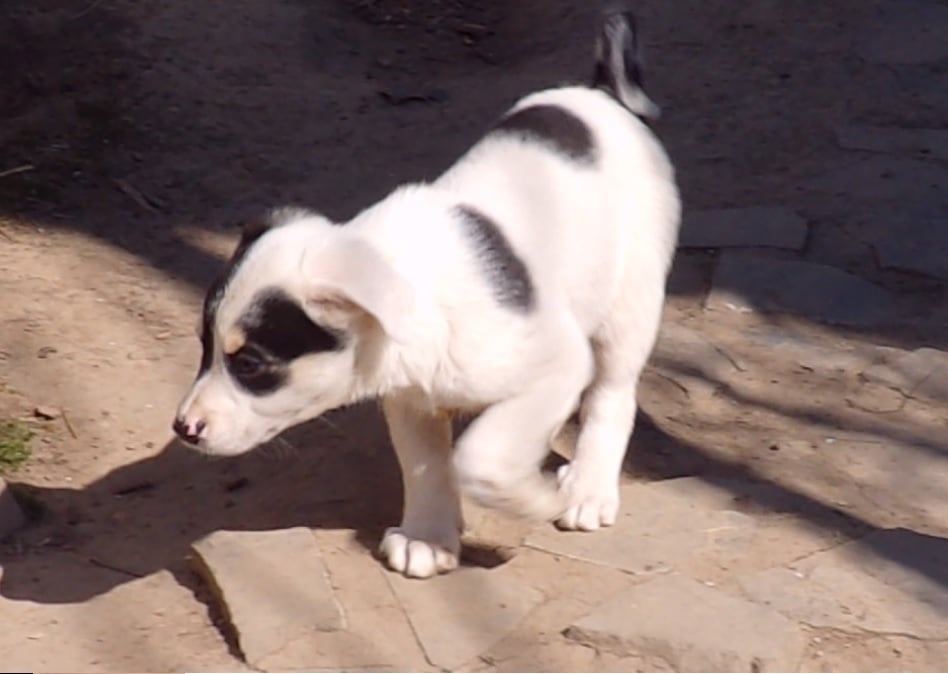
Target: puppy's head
{"type": "Point", "coordinates": [289, 331]}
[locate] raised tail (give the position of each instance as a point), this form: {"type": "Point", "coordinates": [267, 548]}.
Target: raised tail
{"type": "Point", "coordinates": [619, 65]}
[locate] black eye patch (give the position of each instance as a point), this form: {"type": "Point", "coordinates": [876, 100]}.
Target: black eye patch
{"type": "Point", "coordinates": [277, 331]}
{"type": "Point", "coordinates": [255, 371]}
{"type": "Point", "coordinates": [277, 325]}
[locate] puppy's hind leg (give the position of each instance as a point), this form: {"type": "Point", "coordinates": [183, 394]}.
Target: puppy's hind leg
{"type": "Point", "coordinates": [428, 540]}
{"type": "Point", "coordinates": [498, 458]}
{"type": "Point", "coordinates": [607, 417]}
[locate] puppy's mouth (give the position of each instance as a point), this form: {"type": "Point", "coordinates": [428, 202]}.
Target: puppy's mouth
{"type": "Point", "coordinates": [270, 434]}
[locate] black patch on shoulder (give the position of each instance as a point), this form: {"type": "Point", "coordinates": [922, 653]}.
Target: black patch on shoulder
{"type": "Point", "coordinates": [554, 127]}
{"type": "Point", "coordinates": [277, 331]}
{"type": "Point", "coordinates": [505, 271]}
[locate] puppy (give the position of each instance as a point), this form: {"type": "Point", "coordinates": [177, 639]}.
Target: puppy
{"type": "Point", "coordinates": [524, 284]}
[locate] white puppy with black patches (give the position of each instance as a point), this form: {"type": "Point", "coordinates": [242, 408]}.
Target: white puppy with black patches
{"type": "Point", "coordinates": [523, 284]}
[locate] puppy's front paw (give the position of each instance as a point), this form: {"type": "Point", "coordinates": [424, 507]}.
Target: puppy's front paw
{"type": "Point", "coordinates": [417, 558]}
{"type": "Point", "coordinates": [593, 499]}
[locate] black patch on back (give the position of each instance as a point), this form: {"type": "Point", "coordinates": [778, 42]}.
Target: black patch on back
{"type": "Point", "coordinates": [251, 231]}
{"type": "Point", "coordinates": [506, 273]}
{"type": "Point", "coordinates": [554, 127]}
{"type": "Point", "coordinates": [277, 332]}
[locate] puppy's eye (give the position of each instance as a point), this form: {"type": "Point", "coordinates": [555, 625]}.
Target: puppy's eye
{"type": "Point", "coordinates": [246, 363]}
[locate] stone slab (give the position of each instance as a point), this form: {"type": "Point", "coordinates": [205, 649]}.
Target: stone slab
{"type": "Point", "coordinates": [757, 226]}
{"type": "Point", "coordinates": [745, 282]}
{"type": "Point", "coordinates": [923, 372]}
{"type": "Point", "coordinates": [12, 516]}
{"type": "Point", "coordinates": [694, 628]}
{"type": "Point", "coordinates": [893, 582]}
{"type": "Point", "coordinates": [661, 525]}
{"type": "Point", "coordinates": [907, 32]}
{"type": "Point", "coordinates": [920, 183]}
{"type": "Point", "coordinates": [907, 242]}
{"type": "Point", "coordinates": [692, 360]}
{"type": "Point", "coordinates": [458, 616]}
{"type": "Point", "coordinates": [272, 586]}
{"type": "Point", "coordinates": [893, 140]}
{"type": "Point", "coordinates": [818, 353]}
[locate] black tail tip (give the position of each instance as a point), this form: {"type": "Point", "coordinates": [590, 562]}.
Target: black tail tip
{"type": "Point", "coordinates": [618, 68]}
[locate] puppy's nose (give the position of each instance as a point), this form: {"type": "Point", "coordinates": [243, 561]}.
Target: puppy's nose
{"type": "Point", "coordinates": [186, 431]}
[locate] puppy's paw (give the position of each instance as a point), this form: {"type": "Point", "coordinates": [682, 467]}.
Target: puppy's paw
{"type": "Point", "coordinates": [593, 499]}
{"type": "Point", "coordinates": [416, 558]}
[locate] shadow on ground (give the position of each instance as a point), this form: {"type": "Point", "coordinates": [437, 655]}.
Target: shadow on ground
{"type": "Point", "coordinates": [157, 507]}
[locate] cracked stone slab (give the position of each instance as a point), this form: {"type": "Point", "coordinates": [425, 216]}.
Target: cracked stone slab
{"type": "Point", "coordinates": [908, 242]}
{"type": "Point", "coordinates": [907, 32]}
{"type": "Point", "coordinates": [661, 525]}
{"type": "Point", "coordinates": [744, 282]}
{"type": "Point", "coordinates": [893, 140]}
{"type": "Point", "coordinates": [458, 616]}
{"type": "Point", "coordinates": [11, 514]}
{"type": "Point", "coordinates": [694, 628]}
{"type": "Point", "coordinates": [923, 372]}
{"type": "Point", "coordinates": [894, 581]}
{"type": "Point", "coordinates": [757, 226]}
{"type": "Point", "coordinates": [692, 360]}
{"type": "Point", "coordinates": [272, 585]}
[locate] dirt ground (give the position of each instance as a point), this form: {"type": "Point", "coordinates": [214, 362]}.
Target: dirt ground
{"type": "Point", "coordinates": [145, 131]}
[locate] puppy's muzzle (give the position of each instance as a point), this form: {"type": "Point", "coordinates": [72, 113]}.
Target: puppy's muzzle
{"type": "Point", "coordinates": [188, 431]}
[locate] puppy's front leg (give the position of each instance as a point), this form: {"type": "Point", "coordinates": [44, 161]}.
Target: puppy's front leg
{"type": "Point", "coordinates": [428, 540]}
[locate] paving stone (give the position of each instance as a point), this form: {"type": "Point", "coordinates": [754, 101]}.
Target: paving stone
{"type": "Point", "coordinates": [694, 628]}
{"type": "Point", "coordinates": [922, 184]}
{"type": "Point", "coordinates": [900, 476]}
{"type": "Point", "coordinates": [744, 282]}
{"type": "Point", "coordinates": [894, 582]}
{"type": "Point", "coordinates": [923, 372]}
{"type": "Point", "coordinates": [692, 360]}
{"type": "Point", "coordinates": [891, 140]}
{"type": "Point", "coordinates": [460, 615]}
{"type": "Point", "coordinates": [910, 242]}
{"type": "Point", "coordinates": [819, 354]}
{"type": "Point", "coordinates": [758, 226]}
{"type": "Point", "coordinates": [11, 514]}
{"type": "Point", "coordinates": [907, 32]}
{"type": "Point", "coordinates": [272, 585]}
{"type": "Point", "coordinates": [661, 525]}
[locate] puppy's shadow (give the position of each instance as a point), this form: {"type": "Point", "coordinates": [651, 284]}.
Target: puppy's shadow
{"type": "Point", "coordinates": [336, 473]}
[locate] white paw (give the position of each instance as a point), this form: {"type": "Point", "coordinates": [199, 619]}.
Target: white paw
{"type": "Point", "coordinates": [417, 558]}
{"type": "Point", "coordinates": [593, 499]}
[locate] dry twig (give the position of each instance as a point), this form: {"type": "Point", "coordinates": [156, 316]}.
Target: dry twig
{"type": "Point", "coordinates": [16, 169]}
{"type": "Point", "coordinates": [146, 202]}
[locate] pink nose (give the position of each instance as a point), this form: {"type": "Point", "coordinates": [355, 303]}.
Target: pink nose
{"type": "Point", "coordinates": [190, 433]}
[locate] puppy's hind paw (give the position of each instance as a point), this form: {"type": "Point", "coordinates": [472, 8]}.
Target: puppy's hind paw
{"type": "Point", "coordinates": [416, 558]}
{"type": "Point", "coordinates": [594, 503]}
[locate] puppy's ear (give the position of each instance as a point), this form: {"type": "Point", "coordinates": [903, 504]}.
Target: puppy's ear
{"type": "Point", "coordinates": [351, 277]}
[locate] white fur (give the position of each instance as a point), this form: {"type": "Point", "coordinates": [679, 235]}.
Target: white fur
{"type": "Point", "coordinates": [429, 337]}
